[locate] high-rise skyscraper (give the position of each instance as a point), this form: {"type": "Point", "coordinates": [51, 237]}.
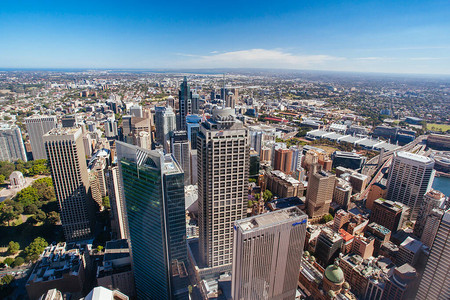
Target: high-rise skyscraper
{"type": "Point", "coordinates": [165, 122]}
{"type": "Point", "coordinates": [223, 166]}
{"type": "Point", "coordinates": [111, 129]}
{"type": "Point", "coordinates": [185, 107]}
{"type": "Point", "coordinates": [431, 200]}
{"type": "Point", "coordinates": [119, 223]}
{"type": "Point", "coordinates": [283, 160]}
{"type": "Point", "coordinates": [435, 279]}
{"type": "Point", "coordinates": [195, 103]}
{"type": "Point", "coordinates": [193, 126]}
{"type": "Point", "coordinates": [11, 143]}
{"type": "Point", "coordinates": [410, 178]}
{"type": "Point", "coordinates": [154, 195]}
{"type": "Point", "coordinates": [67, 160]}
{"type": "Point", "coordinates": [181, 150]}
{"type": "Point", "coordinates": [37, 126]}
{"type": "Point", "coordinates": [267, 253]}
{"type": "Point", "coordinates": [319, 193]}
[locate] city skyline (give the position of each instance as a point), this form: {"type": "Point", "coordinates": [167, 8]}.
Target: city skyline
{"type": "Point", "coordinates": [400, 37]}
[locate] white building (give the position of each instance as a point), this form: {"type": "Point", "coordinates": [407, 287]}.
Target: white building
{"type": "Point", "coordinates": [267, 255]}
{"type": "Point", "coordinates": [37, 126]}
{"type": "Point", "coordinates": [11, 143]}
{"type": "Point", "coordinates": [410, 178]}
{"type": "Point", "coordinates": [223, 161]}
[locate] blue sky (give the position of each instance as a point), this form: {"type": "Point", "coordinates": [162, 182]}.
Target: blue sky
{"type": "Point", "coordinates": [373, 36]}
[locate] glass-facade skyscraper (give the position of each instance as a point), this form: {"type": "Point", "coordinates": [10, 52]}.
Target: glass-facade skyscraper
{"type": "Point", "coordinates": [153, 187]}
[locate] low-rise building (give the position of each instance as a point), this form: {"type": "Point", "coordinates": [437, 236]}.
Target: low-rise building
{"type": "Point", "coordinates": [62, 267]}
{"type": "Point", "coordinates": [115, 273]}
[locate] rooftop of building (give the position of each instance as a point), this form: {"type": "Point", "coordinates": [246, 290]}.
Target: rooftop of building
{"type": "Point", "coordinates": [411, 244]}
{"type": "Point", "coordinates": [414, 157]}
{"type": "Point", "coordinates": [330, 234]}
{"type": "Point", "coordinates": [345, 235]}
{"type": "Point", "coordinates": [396, 206]}
{"type": "Point", "coordinates": [62, 131]}
{"type": "Point", "coordinates": [377, 227]}
{"type": "Point", "coordinates": [285, 177]}
{"type": "Point", "coordinates": [56, 261]}
{"type": "Point", "coordinates": [171, 166]}
{"type": "Point", "coordinates": [272, 219]}
{"type": "Point", "coordinates": [285, 203]}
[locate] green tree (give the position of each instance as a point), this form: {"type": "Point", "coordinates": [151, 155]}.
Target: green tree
{"type": "Point", "coordinates": [327, 218]}
{"type": "Point", "coordinates": [105, 202]}
{"type": "Point", "coordinates": [250, 204]}
{"type": "Point", "coordinates": [27, 196]}
{"type": "Point", "coordinates": [267, 195]}
{"type": "Point", "coordinates": [6, 280]}
{"type": "Point", "coordinates": [53, 218]}
{"type": "Point", "coordinates": [2, 178]}
{"type": "Point", "coordinates": [6, 168]}
{"type": "Point", "coordinates": [7, 213]}
{"type": "Point", "coordinates": [30, 209]}
{"type": "Point", "coordinates": [13, 247]}
{"type": "Point", "coordinates": [35, 247]}
{"type": "Point", "coordinates": [44, 188]}
{"type": "Point", "coordinates": [18, 261]}
{"type": "Point", "coordinates": [8, 261]}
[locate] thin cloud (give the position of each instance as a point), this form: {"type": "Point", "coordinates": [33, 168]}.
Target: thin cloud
{"type": "Point", "coordinates": [261, 58]}
{"type": "Point", "coordinates": [426, 58]}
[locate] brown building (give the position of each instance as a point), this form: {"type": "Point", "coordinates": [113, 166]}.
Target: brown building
{"type": "Point", "coordinates": [381, 234]}
{"type": "Point", "coordinates": [358, 182]}
{"type": "Point", "coordinates": [60, 267]}
{"type": "Point", "coordinates": [283, 160]}
{"type": "Point", "coordinates": [283, 186]}
{"type": "Point", "coordinates": [388, 214]}
{"type": "Point", "coordinates": [319, 193]}
{"type": "Point", "coordinates": [340, 218]}
{"type": "Point", "coordinates": [376, 191]}
{"type": "Point", "coordinates": [115, 273]}
{"type": "Point", "coordinates": [347, 243]}
{"type": "Point", "coordinates": [363, 246]}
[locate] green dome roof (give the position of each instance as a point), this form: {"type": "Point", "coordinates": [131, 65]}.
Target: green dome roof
{"type": "Point", "coordinates": [334, 274]}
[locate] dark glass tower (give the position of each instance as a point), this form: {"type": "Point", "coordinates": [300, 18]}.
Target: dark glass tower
{"type": "Point", "coordinates": [185, 98]}
{"type": "Point", "coordinates": [154, 195]}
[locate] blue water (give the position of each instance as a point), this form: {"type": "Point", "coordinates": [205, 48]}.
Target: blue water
{"type": "Point", "coordinates": [442, 184]}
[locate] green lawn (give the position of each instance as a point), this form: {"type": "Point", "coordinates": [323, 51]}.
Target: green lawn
{"type": "Point", "coordinates": [438, 127]}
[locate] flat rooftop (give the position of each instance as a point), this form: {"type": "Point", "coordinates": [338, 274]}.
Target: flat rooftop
{"type": "Point", "coordinates": [62, 131]}
{"type": "Point", "coordinates": [414, 157]}
{"type": "Point", "coordinates": [271, 219]}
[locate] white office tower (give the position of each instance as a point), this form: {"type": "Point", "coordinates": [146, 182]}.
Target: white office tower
{"type": "Point", "coordinates": [111, 128]}
{"type": "Point", "coordinates": [37, 126]}
{"type": "Point", "coordinates": [165, 122]}
{"type": "Point", "coordinates": [436, 277]}
{"type": "Point", "coordinates": [267, 254]}
{"type": "Point", "coordinates": [410, 178]}
{"type": "Point", "coordinates": [136, 110]}
{"type": "Point", "coordinates": [67, 160]}
{"type": "Point", "coordinates": [297, 155]}
{"type": "Point", "coordinates": [11, 143]}
{"type": "Point", "coordinates": [181, 150]}
{"type": "Point", "coordinates": [119, 222]}
{"type": "Point", "coordinates": [223, 157]}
